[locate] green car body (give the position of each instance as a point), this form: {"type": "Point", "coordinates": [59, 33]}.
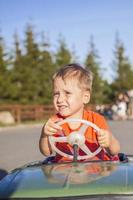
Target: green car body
{"type": "Point", "coordinates": [69, 180]}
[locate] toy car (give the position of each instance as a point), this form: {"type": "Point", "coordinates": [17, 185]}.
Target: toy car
{"type": "Point", "coordinates": [94, 179]}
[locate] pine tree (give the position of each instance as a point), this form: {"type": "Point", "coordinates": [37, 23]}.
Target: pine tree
{"type": "Point", "coordinates": [4, 75]}
{"type": "Point", "coordinates": [45, 72]}
{"type": "Point", "coordinates": [92, 63]}
{"type": "Point", "coordinates": [16, 74]}
{"type": "Point", "coordinates": [63, 55]}
{"type": "Point", "coordinates": [29, 67]}
{"type": "Point", "coordinates": [32, 71]}
{"type": "Point", "coordinates": [123, 69]}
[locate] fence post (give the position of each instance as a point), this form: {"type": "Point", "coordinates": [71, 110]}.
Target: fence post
{"type": "Point", "coordinates": [18, 113]}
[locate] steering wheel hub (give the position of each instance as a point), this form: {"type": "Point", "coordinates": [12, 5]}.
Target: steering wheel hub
{"type": "Point", "coordinates": [76, 138]}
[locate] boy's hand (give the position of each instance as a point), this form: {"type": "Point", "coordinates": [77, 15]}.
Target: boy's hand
{"type": "Point", "coordinates": [104, 138]}
{"type": "Point", "coordinates": [51, 127]}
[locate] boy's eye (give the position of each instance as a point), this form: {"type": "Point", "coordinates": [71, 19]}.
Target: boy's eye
{"type": "Point", "coordinates": [56, 93]}
{"type": "Point", "coordinates": [68, 93]}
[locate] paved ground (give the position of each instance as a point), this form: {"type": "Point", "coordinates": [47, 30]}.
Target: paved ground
{"type": "Point", "coordinates": [123, 130]}
{"type": "Point", "coordinates": [19, 145]}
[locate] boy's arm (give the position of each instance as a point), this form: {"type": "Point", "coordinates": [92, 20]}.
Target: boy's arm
{"type": "Point", "coordinates": [44, 145]}
{"type": "Point", "coordinates": [114, 147]}
{"type": "Point", "coordinates": [105, 138]}
{"type": "Point", "coordinates": [50, 128]}
{"type": "Point", "coordinates": [108, 141]}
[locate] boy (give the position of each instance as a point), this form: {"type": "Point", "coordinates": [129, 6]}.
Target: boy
{"type": "Point", "coordinates": [71, 89]}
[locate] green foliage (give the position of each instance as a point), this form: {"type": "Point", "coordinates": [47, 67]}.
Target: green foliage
{"type": "Point", "coordinates": [26, 73]}
{"type": "Point", "coordinates": [100, 87]}
{"type": "Point", "coordinates": [63, 55]}
{"type": "Point", "coordinates": [4, 74]}
{"type": "Point", "coordinates": [123, 70]}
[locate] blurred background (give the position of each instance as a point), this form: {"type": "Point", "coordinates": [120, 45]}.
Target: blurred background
{"type": "Point", "coordinates": [37, 37]}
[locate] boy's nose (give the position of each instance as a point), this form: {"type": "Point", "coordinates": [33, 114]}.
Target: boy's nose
{"type": "Point", "coordinates": [61, 98]}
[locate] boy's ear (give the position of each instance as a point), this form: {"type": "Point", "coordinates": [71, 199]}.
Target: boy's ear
{"type": "Point", "coordinates": [86, 97]}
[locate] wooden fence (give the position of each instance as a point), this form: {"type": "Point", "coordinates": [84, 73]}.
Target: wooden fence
{"type": "Point", "coordinates": [28, 112]}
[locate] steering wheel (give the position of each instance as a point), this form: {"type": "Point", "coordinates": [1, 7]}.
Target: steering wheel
{"type": "Point", "coordinates": [75, 138]}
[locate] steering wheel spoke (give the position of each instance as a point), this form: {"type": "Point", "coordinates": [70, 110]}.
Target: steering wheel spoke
{"type": "Point", "coordinates": [58, 139]}
{"type": "Point", "coordinates": [84, 148]}
{"type": "Point", "coordinates": [83, 129]}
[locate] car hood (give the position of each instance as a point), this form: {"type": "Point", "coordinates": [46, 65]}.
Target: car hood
{"type": "Point", "coordinates": [69, 179]}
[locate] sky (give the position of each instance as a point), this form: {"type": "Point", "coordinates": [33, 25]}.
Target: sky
{"type": "Point", "coordinates": [76, 21]}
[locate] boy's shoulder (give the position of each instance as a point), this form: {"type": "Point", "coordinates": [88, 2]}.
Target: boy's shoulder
{"type": "Point", "coordinates": [92, 114]}
{"type": "Point", "coordinates": [95, 118]}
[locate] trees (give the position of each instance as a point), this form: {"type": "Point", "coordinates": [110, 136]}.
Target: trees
{"type": "Point", "coordinates": [100, 87]}
{"type": "Point", "coordinates": [32, 71]}
{"type": "Point", "coordinates": [24, 69]}
{"type": "Point", "coordinates": [63, 55]}
{"type": "Point", "coordinates": [4, 73]}
{"type": "Point", "coordinates": [46, 68]}
{"type": "Point", "coordinates": [123, 80]}
{"type": "Point", "coordinates": [25, 76]}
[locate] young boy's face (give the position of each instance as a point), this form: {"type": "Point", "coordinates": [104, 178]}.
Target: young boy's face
{"type": "Point", "coordinates": [69, 98]}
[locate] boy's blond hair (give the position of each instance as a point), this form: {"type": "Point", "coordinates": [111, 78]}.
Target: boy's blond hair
{"type": "Point", "coordinates": [72, 71]}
